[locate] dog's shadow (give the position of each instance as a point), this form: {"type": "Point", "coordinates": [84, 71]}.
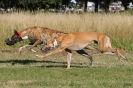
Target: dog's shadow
{"type": "Point", "coordinates": [48, 64]}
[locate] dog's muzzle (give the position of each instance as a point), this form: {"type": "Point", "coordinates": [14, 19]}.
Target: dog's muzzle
{"type": "Point", "coordinates": [8, 41]}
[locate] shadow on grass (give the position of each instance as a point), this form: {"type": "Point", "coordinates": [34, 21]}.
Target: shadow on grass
{"type": "Point", "coordinates": [25, 62]}
{"type": "Point", "coordinates": [64, 66]}
{"type": "Point", "coordinates": [49, 64]}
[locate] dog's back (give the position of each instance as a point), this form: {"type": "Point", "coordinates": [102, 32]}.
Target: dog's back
{"type": "Point", "coordinates": [34, 33]}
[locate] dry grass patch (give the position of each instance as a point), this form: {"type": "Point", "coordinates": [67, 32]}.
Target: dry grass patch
{"type": "Point", "coordinates": [117, 26]}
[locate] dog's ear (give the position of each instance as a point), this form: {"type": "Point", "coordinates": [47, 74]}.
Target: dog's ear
{"type": "Point", "coordinates": [16, 33]}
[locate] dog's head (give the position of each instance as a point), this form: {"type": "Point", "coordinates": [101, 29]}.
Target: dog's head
{"type": "Point", "coordinates": [50, 45]}
{"type": "Point", "coordinates": [50, 42]}
{"type": "Point", "coordinates": [16, 37]}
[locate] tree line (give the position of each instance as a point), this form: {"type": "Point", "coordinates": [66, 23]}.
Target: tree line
{"type": "Point", "coordinates": [33, 5]}
{"type": "Point", "coordinates": [105, 4]}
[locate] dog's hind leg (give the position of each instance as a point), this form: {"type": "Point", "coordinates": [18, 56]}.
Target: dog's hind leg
{"type": "Point", "coordinates": [116, 51]}
{"type": "Point", "coordinates": [83, 53]}
{"type": "Point", "coordinates": [120, 56]}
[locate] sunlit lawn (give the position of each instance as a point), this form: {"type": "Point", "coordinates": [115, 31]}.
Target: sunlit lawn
{"type": "Point", "coordinates": [27, 71]}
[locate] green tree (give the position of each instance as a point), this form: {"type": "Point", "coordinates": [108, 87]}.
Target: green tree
{"type": "Point", "coordinates": [125, 3]}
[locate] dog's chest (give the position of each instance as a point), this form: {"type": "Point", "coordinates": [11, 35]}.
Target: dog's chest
{"type": "Point", "coordinates": [32, 39]}
{"type": "Point", "coordinates": [25, 37]}
{"type": "Point", "coordinates": [78, 46]}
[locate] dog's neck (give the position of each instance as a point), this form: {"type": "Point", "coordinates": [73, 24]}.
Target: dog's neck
{"type": "Point", "coordinates": [60, 36]}
{"type": "Point", "coordinates": [24, 34]}
{"type": "Point", "coordinates": [58, 39]}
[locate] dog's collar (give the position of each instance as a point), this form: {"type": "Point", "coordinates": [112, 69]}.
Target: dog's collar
{"type": "Point", "coordinates": [18, 34]}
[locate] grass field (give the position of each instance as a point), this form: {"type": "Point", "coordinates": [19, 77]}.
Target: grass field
{"type": "Point", "coordinates": [28, 71]}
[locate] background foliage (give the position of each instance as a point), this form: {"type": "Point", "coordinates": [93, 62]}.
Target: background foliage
{"type": "Point", "coordinates": [56, 4]}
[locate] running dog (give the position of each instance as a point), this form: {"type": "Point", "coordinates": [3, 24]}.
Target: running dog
{"type": "Point", "coordinates": [78, 41]}
{"type": "Point", "coordinates": [33, 34]}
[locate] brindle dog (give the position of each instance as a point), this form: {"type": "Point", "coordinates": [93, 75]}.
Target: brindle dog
{"type": "Point", "coordinates": [33, 34]}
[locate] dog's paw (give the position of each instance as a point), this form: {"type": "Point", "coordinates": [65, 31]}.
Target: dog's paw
{"type": "Point", "coordinates": [39, 56]}
{"type": "Point", "coordinates": [33, 50]}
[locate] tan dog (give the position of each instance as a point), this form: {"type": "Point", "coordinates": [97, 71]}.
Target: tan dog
{"type": "Point", "coordinates": [78, 41]}
{"type": "Point", "coordinates": [33, 34]}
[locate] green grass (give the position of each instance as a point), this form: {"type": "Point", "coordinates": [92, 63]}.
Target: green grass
{"type": "Point", "coordinates": [39, 77]}
{"type": "Point", "coordinates": [28, 71]}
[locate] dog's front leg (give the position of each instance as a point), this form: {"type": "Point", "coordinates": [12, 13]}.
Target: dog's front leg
{"type": "Point", "coordinates": [52, 52]}
{"type": "Point", "coordinates": [29, 47]}
{"type": "Point", "coordinates": [69, 58]}
{"type": "Point", "coordinates": [35, 44]}
{"type": "Point", "coordinates": [21, 48]}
